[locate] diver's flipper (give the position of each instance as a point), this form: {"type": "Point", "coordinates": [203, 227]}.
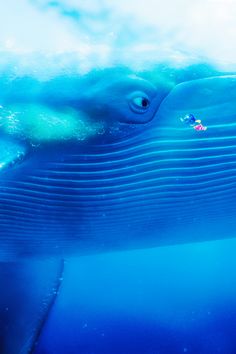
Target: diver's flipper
{"type": "Point", "coordinates": [11, 152]}
{"type": "Point", "coordinates": [27, 291]}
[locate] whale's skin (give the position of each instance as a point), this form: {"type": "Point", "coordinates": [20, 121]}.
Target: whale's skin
{"type": "Point", "coordinates": [141, 179]}
{"type": "Point", "coordinates": [146, 180]}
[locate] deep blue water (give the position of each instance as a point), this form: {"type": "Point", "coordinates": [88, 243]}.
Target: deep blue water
{"type": "Point", "coordinates": [96, 161]}
{"type": "Point", "coordinates": [169, 300]}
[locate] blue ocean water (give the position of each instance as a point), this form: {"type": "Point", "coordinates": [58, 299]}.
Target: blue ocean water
{"type": "Point", "coordinates": [176, 299]}
{"type": "Point", "coordinates": [117, 177]}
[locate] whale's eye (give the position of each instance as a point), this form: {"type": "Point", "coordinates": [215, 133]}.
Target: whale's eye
{"type": "Point", "coordinates": [139, 102]}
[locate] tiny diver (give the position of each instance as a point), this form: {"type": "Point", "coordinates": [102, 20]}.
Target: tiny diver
{"type": "Point", "coordinates": [100, 163]}
{"type": "Point", "coordinates": [191, 121]}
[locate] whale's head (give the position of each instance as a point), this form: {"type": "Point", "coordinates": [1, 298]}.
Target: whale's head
{"type": "Point", "coordinates": [101, 107]}
{"type": "Point", "coordinates": [123, 104]}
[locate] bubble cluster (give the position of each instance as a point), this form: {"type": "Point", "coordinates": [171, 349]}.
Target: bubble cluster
{"type": "Point", "coordinates": [37, 123]}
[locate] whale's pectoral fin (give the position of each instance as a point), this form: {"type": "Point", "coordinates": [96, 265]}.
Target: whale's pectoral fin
{"type": "Point", "coordinates": [11, 152]}
{"type": "Point", "coordinates": [27, 291]}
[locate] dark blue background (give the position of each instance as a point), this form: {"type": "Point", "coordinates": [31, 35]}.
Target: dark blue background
{"type": "Point", "coordinates": [169, 300]}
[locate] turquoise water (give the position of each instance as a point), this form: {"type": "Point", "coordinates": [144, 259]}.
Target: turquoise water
{"type": "Point", "coordinates": [117, 177]}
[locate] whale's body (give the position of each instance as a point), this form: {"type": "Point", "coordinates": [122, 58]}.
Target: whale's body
{"type": "Point", "coordinates": [104, 164]}
{"type": "Point", "coordinates": [133, 185]}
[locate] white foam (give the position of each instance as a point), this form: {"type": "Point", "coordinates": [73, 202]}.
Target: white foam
{"type": "Point", "coordinates": [134, 32]}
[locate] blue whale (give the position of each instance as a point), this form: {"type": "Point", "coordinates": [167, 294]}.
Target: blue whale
{"type": "Point", "coordinates": [129, 182]}
{"type": "Point", "coordinates": [103, 163]}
